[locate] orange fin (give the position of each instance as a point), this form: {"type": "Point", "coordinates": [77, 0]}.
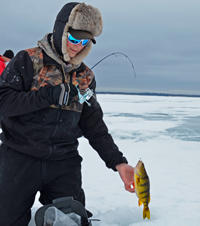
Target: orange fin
{"type": "Point", "coordinates": [146, 213]}
{"type": "Point", "coordinates": [139, 202]}
{"type": "Point", "coordinates": [133, 185]}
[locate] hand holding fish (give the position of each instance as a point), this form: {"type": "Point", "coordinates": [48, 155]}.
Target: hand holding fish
{"type": "Point", "coordinates": [126, 173]}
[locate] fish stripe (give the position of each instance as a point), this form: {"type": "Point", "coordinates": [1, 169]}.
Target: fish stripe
{"type": "Point", "coordinates": [142, 192]}
{"type": "Point", "coordinates": [145, 177]}
{"type": "Point", "coordinates": [145, 198]}
{"type": "Point", "coordinates": [145, 184]}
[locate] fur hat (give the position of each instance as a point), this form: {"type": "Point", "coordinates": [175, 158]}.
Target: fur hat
{"type": "Point", "coordinates": [83, 20]}
{"type": "Point", "coordinates": [9, 54]}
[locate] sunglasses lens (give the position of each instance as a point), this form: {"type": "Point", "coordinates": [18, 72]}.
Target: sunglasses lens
{"type": "Point", "coordinates": [77, 41]}
{"type": "Point", "coordinates": [73, 40]}
{"type": "Point", "coordinates": [85, 42]}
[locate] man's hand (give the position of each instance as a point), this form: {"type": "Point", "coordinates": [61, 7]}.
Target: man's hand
{"type": "Point", "coordinates": [126, 173]}
{"type": "Point", "coordinates": [61, 94]}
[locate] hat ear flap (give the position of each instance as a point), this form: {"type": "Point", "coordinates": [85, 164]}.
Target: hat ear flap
{"type": "Point", "coordinates": [64, 43]}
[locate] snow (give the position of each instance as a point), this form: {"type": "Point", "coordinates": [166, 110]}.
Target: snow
{"type": "Point", "coordinates": [164, 132]}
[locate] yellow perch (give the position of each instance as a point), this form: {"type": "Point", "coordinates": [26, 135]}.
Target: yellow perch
{"type": "Point", "coordinates": [142, 187]}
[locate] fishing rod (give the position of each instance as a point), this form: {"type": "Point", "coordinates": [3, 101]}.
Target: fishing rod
{"type": "Point", "coordinates": [77, 81]}
{"type": "Point", "coordinates": [88, 92]}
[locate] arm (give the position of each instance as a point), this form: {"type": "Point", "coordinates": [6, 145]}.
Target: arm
{"type": "Point", "coordinates": [95, 130]}
{"type": "Point", "coordinates": [15, 83]}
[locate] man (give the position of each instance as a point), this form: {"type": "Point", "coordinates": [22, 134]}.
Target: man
{"type": "Point", "coordinates": [7, 56]}
{"type": "Point", "coordinates": [43, 116]}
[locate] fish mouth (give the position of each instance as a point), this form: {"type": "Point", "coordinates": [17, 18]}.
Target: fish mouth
{"type": "Point", "coordinates": [140, 164]}
{"type": "Point", "coordinates": [140, 169]}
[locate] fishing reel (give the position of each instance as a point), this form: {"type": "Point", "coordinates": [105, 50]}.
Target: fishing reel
{"type": "Point", "coordinates": [86, 96]}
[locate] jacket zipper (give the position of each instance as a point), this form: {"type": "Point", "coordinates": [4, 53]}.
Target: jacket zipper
{"type": "Point", "coordinates": [50, 142]}
{"type": "Point", "coordinates": [64, 78]}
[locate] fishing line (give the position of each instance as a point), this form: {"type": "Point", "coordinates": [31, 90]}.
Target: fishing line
{"type": "Point", "coordinates": [79, 79]}
{"type": "Point", "coordinates": [116, 56]}
{"type": "Point", "coordinates": [107, 66]}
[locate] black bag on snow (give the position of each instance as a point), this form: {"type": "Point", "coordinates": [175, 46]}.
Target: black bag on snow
{"type": "Point", "coordinates": [63, 211]}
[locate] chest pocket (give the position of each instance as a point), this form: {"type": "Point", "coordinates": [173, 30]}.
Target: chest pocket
{"type": "Point", "coordinates": [47, 76]}
{"type": "Point", "coordinates": [86, 81]}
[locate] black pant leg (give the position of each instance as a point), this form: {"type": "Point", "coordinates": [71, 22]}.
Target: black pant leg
{"type": "Point", "coordinates": [61, 179]}
{"type": "Point", "coordinates": [19, 182]}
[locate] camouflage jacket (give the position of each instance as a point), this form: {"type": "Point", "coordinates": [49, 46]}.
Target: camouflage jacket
{"type": "Point", "coordinates": [31, 126]}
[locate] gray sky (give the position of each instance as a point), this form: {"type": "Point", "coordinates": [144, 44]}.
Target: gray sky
{"type": "Point", "coordinates": [162, 39]}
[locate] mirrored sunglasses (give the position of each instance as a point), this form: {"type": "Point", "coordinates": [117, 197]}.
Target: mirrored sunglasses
{"type": "Point", "coordinates": [84, 42]}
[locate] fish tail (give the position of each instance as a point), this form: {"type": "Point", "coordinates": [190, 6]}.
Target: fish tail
{"type": "Point", "coordinates": [146, 213]}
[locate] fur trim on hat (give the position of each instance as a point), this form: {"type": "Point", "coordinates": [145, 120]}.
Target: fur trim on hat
{"type": "Point", "coordinates": [83, 17]}
{"type": "Point", "coordinates": [86, 17]}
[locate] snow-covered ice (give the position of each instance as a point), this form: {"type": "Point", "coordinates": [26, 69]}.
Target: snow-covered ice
{"type": "Point", "coordinates": [165, 133]}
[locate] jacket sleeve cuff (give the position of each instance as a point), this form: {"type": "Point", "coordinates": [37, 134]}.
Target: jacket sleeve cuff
{"type": "Point", "coordinates": [115, 162]}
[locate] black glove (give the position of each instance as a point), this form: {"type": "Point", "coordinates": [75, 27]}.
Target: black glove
{"type": "Point", "coordinates": [61, 94]}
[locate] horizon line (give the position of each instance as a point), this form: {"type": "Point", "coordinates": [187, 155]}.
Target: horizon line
{"type": "Point", "coordinates": [148, 94]}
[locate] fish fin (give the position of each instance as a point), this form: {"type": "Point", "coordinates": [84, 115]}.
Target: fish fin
{"type": "Point", "coordinates": [149, 199]}
{"type": "Point", "coordinates": [133, 185]}
{"type": "Point", "coordinates": [139, 202]}
{"type": "Point", "coordinates": [146, 213]}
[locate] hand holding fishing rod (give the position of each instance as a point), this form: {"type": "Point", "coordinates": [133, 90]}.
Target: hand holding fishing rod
{"type": "Point", "coordinates": [61, 94]}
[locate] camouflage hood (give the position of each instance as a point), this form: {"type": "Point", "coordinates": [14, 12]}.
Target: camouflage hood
{"type": "Point", "coordinates": [77, 16]}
